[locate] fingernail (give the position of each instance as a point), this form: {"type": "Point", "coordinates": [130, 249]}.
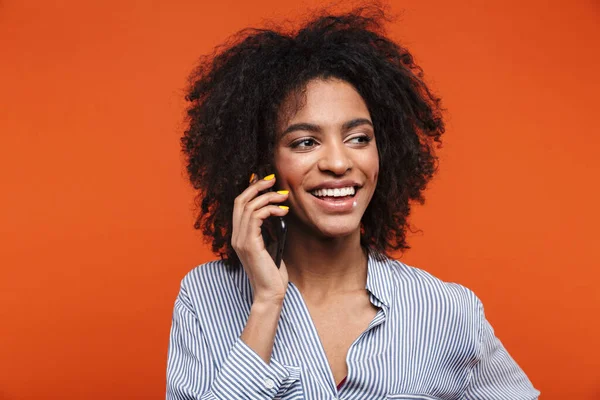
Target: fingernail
{"type": "Point", "coordinates": [283, 191]}
{"type": "Point", "coordinates": [269, 177]}
{"type": "Point", "coordinates": [284, 207]}
{"type": "Point", "coordinates": [252, 178]}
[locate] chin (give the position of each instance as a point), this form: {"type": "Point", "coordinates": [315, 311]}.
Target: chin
{"type": "Point", "coordinates": [333, 230]}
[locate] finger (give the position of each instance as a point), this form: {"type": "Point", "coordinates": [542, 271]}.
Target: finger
{"type": "Point", "coordinates": [261, 201]}
{"type": "Point", "coordinates": [266, 199]}
{"type": "Point", "coordinates": [257, 218]}
{"type": "Point", "coordinates": [248, 194]}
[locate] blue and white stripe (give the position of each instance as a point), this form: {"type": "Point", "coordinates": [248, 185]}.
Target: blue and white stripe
{"type": "Point", "coordinates": [429, 340]}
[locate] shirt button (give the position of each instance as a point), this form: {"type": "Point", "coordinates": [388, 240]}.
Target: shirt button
{"type": "Point", "coordinates": [269, 384]}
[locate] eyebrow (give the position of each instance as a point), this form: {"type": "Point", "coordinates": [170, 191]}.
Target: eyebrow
{"type": "Point", "coordinates": [304, 126]}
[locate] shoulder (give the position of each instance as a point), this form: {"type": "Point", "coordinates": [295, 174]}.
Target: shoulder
{"type": "Point", "coordinates": [417, 285]}
{"type": "Point", "coordinates": [210, 273]}
{"type": "Point", "coordinates": [448, 313]}
{"type": "Point", "coordinates": [208, 283]}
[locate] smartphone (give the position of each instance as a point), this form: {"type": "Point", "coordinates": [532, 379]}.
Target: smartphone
{"type": "Point", "coordinates": [281, 231]}
{"type": "Point", "coordinates": [274, 230]}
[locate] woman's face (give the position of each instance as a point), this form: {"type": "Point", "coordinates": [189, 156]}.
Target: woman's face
{"type": "Point", "coordinates": [326, 156]}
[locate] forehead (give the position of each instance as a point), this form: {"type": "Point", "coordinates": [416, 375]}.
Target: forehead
{"type": "Point", "coordinates": [323, 102]}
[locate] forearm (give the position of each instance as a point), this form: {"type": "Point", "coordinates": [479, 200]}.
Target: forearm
{"type": "Point", "coordinates": [193, 374]}
{"type": "Point", "coordinates": [260, 329]}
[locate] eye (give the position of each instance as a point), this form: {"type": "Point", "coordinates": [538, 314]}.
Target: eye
{"type": "Point", "coordinates": [362, 139]}
{"type": "Point", "coordinates": [303, 143]}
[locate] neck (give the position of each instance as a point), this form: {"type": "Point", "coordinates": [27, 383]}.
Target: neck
{"type": "Point", "coordinates": [325, 267]}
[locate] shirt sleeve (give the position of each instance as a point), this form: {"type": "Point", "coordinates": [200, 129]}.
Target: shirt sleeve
{"type": "Point", "coordinates": [191, 369]}
{"type": "Point", "coordinates": [496, 376]}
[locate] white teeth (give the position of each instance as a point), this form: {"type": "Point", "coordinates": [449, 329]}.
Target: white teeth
{"type": "Point", "coordinates": [338, 192]}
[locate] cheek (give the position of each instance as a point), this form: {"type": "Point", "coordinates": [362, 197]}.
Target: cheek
{"type": "Point", "coordinates": [289, 170]}
{"type": "Point", "coordinates": [372, 165]}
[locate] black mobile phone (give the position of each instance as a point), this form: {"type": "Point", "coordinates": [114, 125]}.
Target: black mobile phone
{"type": "Point", "coordinates": [274, 230]}
{"type": "Point", "coordinates": [281, 231]}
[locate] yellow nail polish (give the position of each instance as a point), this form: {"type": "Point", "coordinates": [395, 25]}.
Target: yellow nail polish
{"type": "Point", "coordinates": [269, 177]}
{"type": "Point", "coordinates": [252, 178]}
{"type": "Point", "coordinates": [283, 191]}
{"type": "Point", "coordinates": [284, 207]}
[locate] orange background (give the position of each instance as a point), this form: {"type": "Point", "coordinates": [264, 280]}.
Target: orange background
{"type": "Point", "coordinates": [96, 214]}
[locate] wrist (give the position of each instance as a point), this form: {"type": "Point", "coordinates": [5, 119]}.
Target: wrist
{"type": "Point", "coordinates": [266, 304]}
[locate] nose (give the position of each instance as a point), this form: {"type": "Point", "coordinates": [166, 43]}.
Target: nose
{"type": "Point", "coordinates": [335, 158]}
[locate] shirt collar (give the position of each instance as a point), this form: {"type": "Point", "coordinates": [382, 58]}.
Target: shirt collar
{"type": "Point", "coordinates": [379, 277]}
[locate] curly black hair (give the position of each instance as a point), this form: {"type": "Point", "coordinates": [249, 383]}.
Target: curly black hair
{"type": "Point", "coordinates": [235, 95]}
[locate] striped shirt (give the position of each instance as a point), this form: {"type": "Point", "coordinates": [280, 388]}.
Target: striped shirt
{"type": "Point", "coordinates": [428, 340]}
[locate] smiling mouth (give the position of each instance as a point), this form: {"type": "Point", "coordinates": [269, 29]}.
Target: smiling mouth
{"type": "Point", "coordinates": [338, 194]}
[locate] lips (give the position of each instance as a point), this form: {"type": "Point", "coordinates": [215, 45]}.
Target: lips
{"type": "Point", "coordinates": [341, 204]}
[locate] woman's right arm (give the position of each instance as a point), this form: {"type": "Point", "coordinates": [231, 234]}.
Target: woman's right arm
{"type": "Point", "coordinates": [192, 373]}
{"type": "Point", "coordinates": [269, 283]}
{"type": "Point", "coordinates": [248, 372]}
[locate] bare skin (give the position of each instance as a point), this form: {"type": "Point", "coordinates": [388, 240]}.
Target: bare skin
{"type": "Point", "coordinates": [330, 138]}
{"type": "Point", "coordinates": [339, 322]}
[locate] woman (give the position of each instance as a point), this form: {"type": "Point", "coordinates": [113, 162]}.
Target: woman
{"type": "Point", "coordinates": [340, 124]}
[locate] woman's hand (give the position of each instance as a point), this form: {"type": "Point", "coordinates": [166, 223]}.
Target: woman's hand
{"type": "Point", "coordinates": [249, 212]}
